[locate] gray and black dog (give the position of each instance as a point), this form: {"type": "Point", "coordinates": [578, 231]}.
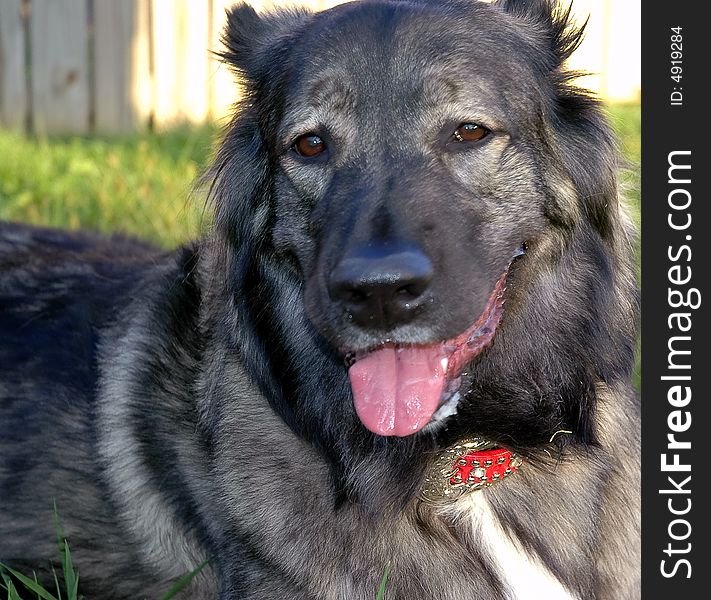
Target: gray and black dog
{"type": "Point", "coordinates": [405, 347]}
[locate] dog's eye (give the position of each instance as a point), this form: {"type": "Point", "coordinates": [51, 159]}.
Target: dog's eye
{"type": "Point", "coordinates": [309, 145]}
{"type": "Point", "coordinates": [470, 132]}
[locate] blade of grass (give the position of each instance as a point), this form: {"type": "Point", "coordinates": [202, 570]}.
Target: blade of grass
{"type": "Point", "coordinates": [383, 583]}
{"type": "Point", "coordinates": [56, 583]}
{"type": "Point", "coordinates": [10, 587]}
{"type": "Point", "coordinates": [71, 580]}
{"type": "Point", "coordinates": [7, 586]}
{"type": "Point", "coordinates": [34, 576]}
{"type": "Point", "coordinates": [29, 584]}
{"type": "Point", "coordinates": [183, 582]}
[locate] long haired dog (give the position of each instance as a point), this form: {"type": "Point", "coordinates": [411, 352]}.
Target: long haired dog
{"type": "Point", "coordinates": [405, 347]}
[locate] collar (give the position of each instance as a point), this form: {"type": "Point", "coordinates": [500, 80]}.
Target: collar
{"type": "Point", "coordinates": [470, 465]}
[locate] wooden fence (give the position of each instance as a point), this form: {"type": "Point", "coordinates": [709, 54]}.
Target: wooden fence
{"type": "Point", "coordinates": [113, 66]}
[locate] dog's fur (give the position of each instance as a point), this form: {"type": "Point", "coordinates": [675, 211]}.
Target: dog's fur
{"type": "Point", "coordinates": [195, 404]}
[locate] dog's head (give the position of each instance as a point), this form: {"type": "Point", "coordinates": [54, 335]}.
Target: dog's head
{"type": "Point", "coordinates": [414, 194]}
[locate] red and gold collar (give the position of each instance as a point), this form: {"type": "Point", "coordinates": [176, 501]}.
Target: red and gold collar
{"type": "Point", "coordinates": [467, 466]}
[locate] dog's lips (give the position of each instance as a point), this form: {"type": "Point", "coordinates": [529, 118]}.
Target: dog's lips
{"type": "Point", "coordinates": [398, 388]}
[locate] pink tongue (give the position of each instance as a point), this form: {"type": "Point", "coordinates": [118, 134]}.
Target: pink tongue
{"type": "Point", "coordinates": [396, 390]}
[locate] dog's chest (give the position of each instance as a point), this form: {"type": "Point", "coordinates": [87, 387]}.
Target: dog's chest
{"type": "Point", "coordinates": [523, 573]}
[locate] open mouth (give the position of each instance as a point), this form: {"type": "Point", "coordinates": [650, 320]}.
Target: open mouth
{"type": "Point", "coordinates": [398, 388]}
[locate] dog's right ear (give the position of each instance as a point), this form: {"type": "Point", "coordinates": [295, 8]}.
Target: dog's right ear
{"type": "Point", "coordinates": [250, 39]}
{"type": "Point", "coordinates": [554, 19]}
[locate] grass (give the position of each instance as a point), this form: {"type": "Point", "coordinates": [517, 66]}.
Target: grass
{"type": "Point", "coordinates": [383, 584]}
{"type": "Point", "coordinates": [14, 582]}
{"type": "Point", "coordinates": [142, 184]}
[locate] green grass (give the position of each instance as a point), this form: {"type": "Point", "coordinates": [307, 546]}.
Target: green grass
{"type": "Point", "coordinates": [383, 584]}
{"type": "Point", "coordinates": [141, 184]}
{"type": "Point", "coordinates": [19, 585]}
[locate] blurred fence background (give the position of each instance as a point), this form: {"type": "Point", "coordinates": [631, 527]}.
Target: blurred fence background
{"type": "Point", "coordinates": [117, 66]}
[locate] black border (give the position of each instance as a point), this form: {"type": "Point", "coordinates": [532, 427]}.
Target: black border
{"type": "Point", "coordinates": [666, 128]}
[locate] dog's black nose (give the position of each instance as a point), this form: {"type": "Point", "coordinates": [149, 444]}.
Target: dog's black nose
{"type": "Point", "coordinates": [381, 288]}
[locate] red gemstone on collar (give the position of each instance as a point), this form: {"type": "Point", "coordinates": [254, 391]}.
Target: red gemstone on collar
{"type": "Point", "coordinates": [483, 467]}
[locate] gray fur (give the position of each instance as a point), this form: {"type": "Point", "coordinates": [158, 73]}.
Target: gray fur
{"type": "Point", "coordinates": [194, 404]}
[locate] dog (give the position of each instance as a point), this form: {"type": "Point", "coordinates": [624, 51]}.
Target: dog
{"type": "Point", "coordinates": [400, 359]}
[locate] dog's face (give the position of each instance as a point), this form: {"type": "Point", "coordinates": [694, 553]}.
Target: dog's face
{"type": "Point", "coordinates": [402, 215]}
{"type": "Point", "coordinates": [431, 178]}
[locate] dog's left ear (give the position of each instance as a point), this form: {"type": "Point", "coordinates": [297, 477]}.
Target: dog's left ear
{"type": "Point", "coordinates": [251, 39]}
{"type": "Point", "coordinates": [553, 21]}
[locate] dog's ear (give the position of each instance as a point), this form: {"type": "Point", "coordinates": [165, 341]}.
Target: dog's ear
{"type": "Point", "coordinates": [553, 20]}
{"type": "Point", "coordinates": [250, 39]}
{"type": "Point", "coordinates": [256, 47]}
